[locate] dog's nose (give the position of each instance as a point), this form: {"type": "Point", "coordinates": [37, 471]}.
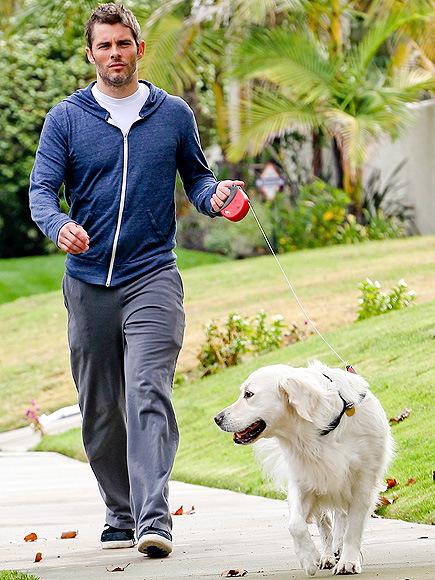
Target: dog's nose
{"type": "Point", "coordinates": [219, 418]}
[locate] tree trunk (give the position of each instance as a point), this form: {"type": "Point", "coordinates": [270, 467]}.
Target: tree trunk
{"type": "Point", "coordinates": [317, 163]}
{"type": "Point", "coordinates": [338, 159]}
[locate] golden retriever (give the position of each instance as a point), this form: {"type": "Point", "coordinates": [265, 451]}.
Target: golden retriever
{"type": "Point", "coordinates": [323, 434]}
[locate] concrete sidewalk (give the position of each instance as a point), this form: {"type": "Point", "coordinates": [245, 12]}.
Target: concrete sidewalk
{"type": "Point", "coordinates": [49, 494]}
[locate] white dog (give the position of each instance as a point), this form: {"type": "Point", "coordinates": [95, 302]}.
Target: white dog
{"type": "Point", "coordinates": [323, 434]}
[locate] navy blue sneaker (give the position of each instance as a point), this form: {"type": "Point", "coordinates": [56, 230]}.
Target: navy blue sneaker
{"type": "Point", "coordinates": [155, 543]}
{"type": "Point", "coordinates": [116, 538]}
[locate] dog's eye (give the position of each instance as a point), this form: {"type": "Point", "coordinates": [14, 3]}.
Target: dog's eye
{"type": "Point", "coordinates": [248, 395]}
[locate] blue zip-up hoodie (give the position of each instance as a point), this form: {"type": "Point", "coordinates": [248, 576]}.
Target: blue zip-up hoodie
{"type": "Point", "coordinates": [120, 187]}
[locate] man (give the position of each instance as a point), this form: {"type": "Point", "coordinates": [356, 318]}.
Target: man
{"type": "Point", "coordinates": [116, 146]}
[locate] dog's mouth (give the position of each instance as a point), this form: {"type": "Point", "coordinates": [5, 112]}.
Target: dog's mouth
{"type": "Point", "coordinates": [250, 433]}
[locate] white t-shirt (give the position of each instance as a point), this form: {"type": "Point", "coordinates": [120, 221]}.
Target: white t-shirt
{"type": "Point", "coordinates": [125, 111]}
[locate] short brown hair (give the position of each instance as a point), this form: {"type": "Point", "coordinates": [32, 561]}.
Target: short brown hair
{"type": "Point", "coordinates": [112, 13]}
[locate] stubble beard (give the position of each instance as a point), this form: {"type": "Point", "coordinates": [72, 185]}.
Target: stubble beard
{"type": "Point", "coordinates": [117, 79]}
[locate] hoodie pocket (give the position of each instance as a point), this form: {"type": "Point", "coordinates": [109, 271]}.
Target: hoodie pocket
{"type": "Point", "coordinates": [141, 234]}
{"type": "Point", "coordinates": [158, 234]}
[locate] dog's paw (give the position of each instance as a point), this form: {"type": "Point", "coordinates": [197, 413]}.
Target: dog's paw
{"type": "Point", "coordinates": [327, 561]}
{"type": "Point", "coordinates": [344, 567]}
{"type": "Point", "coordinates": [310, 568]}
{"type": "Point", "coordinates": [311, 564]}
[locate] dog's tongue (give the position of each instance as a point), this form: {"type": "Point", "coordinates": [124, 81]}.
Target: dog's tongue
{"type": "Point", "coordinates": [241, 436]}
{"type": "Point", "coordinates": [248, 434]}
{"type": "Point", "coordinates": [238, 437]}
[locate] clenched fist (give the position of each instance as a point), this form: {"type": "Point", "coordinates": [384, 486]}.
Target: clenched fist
{"type": "Point", "coordinates": [73, 239]}
{"type": "Point", "coordinates": [222, 193]}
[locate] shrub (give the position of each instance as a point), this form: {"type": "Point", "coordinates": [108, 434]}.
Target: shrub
{"type": "Point", "coordinates": [226, 347]}
{"type": "Point", "coordinates": [375, 302]}
{"type": "Point", "coordinates": [320, 217]}
{"type": "Point", "coordinates": [30, 88]}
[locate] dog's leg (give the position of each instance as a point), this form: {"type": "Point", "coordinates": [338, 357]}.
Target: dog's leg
{"type": "Point", "coordinates": [323, 521]}
{"type": "Point", "coordinates": [340, 520]}
{"type": "Point", "coordinates": [300, 506]}
{"type": "Point", "coordinates": [359, 509]}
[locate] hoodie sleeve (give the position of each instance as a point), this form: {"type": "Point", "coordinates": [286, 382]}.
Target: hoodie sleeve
{"type": "Point", "coordinates": [198, 180]}
{"type": "Point", "coordinates": [46, 179]}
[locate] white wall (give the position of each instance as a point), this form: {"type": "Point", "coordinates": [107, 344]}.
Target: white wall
{"type": "Point", "coordinates": [417, 146]}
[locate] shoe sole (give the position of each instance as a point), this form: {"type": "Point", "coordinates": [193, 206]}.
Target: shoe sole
{"type": "Point", "coordinates": [117, 544]}
{"type": "Point", "coordinates": [154, 546]}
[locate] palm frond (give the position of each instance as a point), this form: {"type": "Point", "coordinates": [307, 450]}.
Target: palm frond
{"type": "Point", "coordinates": [259, 11]}
{"type": "Point", "coordinates": [380, 30]}
{"type": "Point", "coordinates": [356, 134]}
{"type": "Point", "coordinates": [296, 62]}
{"type": "Point", "coordinates": [412, 82]}
{"type": "Point", "coordinates": [233, 14]}
{"type": "Point", "coordinates": [166, 8]}
{"type": "Point", "coordinates": [270, 115]}
{"type": "Point", "coordinates": [172, 55]}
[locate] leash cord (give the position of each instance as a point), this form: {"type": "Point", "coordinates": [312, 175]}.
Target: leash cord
{"type": "Point", "coordinates": [290, 286]}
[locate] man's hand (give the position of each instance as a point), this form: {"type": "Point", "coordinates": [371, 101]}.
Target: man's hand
{"type": "Point", "coordinates": [222, 192]}
{"type": "Point", "coordinates": [73, 239]}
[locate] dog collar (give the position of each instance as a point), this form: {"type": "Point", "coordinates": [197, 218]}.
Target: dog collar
{"type": "Point", "coordinates": [348, 408]}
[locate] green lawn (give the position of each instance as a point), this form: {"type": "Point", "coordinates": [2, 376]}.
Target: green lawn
{"type": "Point", "coordinates": [395, 352]}
{"type": "Point", "coordinates": [14, 575]}
{"type": "Point", "coordinates": [34, 357]}
{"type": "Point", "coordinates": [40, 274]}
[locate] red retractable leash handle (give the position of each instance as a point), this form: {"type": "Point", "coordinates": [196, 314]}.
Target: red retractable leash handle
{"type": "Point", "coordinates": [236, 205]}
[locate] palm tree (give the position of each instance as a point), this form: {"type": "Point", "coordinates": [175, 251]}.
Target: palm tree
{"type": "Point", "coordinates": [298, 82]}
{"type": "Point", "coordinates": [191, 40]}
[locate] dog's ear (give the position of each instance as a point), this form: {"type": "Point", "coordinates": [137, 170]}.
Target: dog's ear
{"type": "Point", "coordinates": [302, 395]}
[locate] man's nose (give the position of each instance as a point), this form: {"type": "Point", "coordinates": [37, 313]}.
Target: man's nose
{"type": "Point", "coordinates": [115, 52]}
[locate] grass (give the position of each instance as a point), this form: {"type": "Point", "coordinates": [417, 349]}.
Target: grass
{"type": "Point", "coordinates": [34, 357]}
{"type": "Point", "coordinates": [394, 352]}
{"type": "Point", "coordinates": [39, 274]}
{"type": "Point", "coordinates": [14, 575]}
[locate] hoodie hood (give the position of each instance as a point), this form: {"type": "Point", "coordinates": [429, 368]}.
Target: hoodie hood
{"type": "Point", "coordinates": [84, 99]}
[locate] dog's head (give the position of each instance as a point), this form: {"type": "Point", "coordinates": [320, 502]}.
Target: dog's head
{"type": "Point", "coordinates": [269, 396]}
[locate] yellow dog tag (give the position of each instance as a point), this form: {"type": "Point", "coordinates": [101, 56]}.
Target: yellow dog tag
{"type": "Point", "coordinates": [351, 411]}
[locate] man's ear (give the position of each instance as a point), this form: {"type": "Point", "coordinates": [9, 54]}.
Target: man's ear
{"type": "Point", "coordinates": [301, 396]}
{"type": "Point", "coordinates": [141, 49]}
{"type": "Point", "coordinates": [90, 55]}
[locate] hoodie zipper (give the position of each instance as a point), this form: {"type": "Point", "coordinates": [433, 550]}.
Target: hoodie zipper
{"type": "Point", "coordinates": [121, 201]}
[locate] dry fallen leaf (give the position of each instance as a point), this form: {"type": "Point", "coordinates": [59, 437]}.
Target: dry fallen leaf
{"type": "Point", "coordinates": [392, 482]}
{"type": "Point", "coordinates": [404, 414]}
{"type": "Point", "coordinates": [118, 568]}
{"type": "Point", "coordinates": [38, 557]}
{"type": "Point", "coordinates": [235, 572]}
{"type": "Point", "coordinates": [67, 535]}
{"type": "Point", "coordinates": [382, 500]}
{"type": "Point", "coordinates": [31, 537]}
{"type": "Point", "coordinates": [181, 512]}
{"type": "Point", "coordinates": [410, 481]}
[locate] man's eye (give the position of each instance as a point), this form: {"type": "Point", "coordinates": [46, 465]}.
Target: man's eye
{"type": "Point", "coordinates": [248, 395]}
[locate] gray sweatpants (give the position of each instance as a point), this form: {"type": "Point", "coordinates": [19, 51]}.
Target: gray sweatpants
{"type": "Point", "coordinates": [124, 344]}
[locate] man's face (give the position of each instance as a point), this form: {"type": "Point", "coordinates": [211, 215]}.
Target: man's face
{"type": "Point", "coordinates": [114, 54]}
